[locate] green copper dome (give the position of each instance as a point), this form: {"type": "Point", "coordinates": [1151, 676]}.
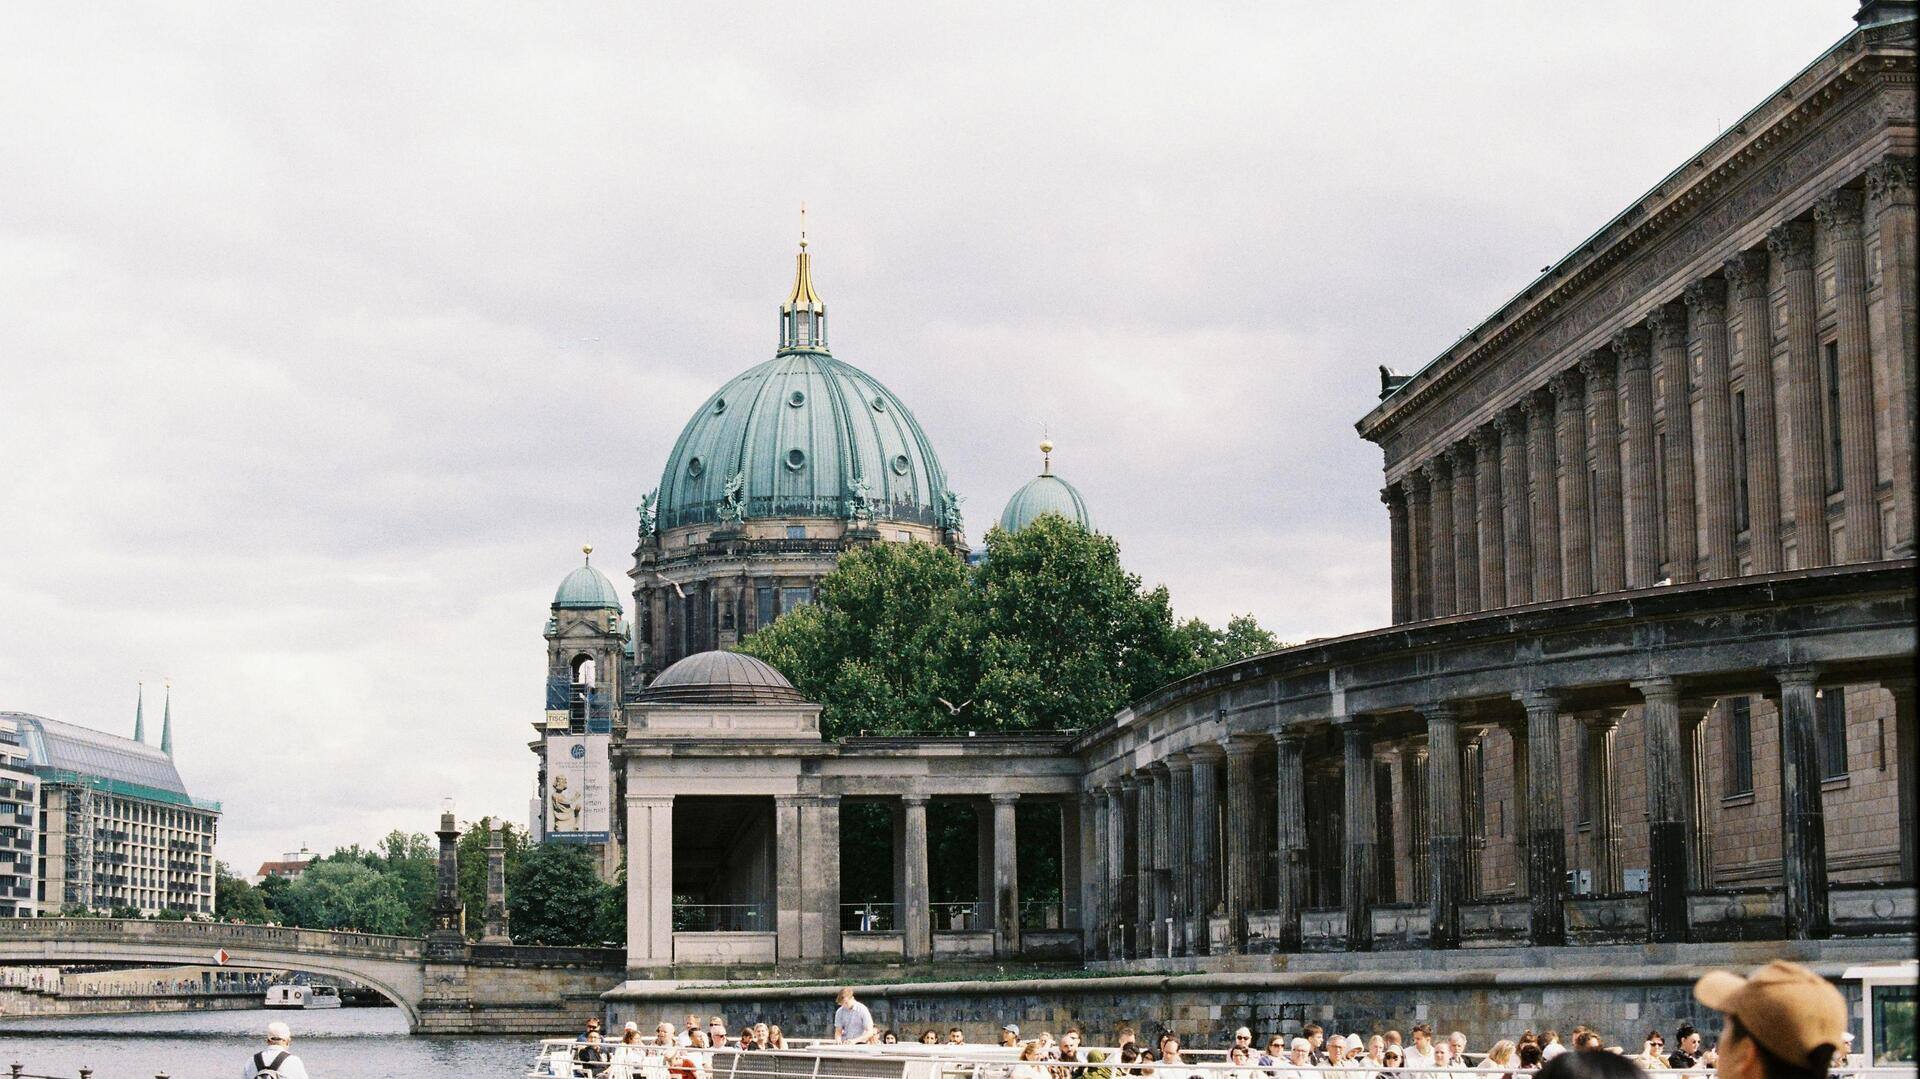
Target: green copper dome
{"type": "Point", "coordinates": [803, 435]}
{"type": "Point", "coordinates": [587, 589]}
{"type": "Point", "coordinates": [1045, 493]}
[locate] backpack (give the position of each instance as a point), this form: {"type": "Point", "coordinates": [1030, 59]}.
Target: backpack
{"type": "Point", "coordinates": [264, 1070]}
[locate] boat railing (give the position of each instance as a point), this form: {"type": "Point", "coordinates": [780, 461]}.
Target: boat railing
{"type": "Point", "coordinates": [564, 1059]}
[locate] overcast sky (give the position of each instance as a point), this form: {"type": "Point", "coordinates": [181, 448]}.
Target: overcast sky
{"type": "Point", "coordinates": [331, 331]}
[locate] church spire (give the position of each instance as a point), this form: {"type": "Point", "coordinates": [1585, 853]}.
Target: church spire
{"type": "Point", "coordinates": [140, 712]}
{"type": "Point", "coordinates": [166, 723]}
{"type": "Point", "coordinates": [803, 318]}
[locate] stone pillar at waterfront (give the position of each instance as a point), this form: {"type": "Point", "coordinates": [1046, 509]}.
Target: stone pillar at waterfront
{"type": "Point", "coordinates": [1119, 912]}
{"type": "Point", "coordinates": [1669, 328]}
{"type": "Point", "coordinates": [1839, 215]}
{"type": "Point", "coordinates": [1179, 851]}
{"type": "Point", "coordinates": [1546, 861]}
{"type": "Point", "coordinates": [1668, 844]}
{"type": "Point", "coordinates": [1440, 518]}
{"type": "Point", "coordinates": [1609, 513]}
{"type": "Point", "coordinates": [1290, 836]}
{"type": "Point", "coordinates": [1570, 457]}
{"type": "Point", "coordinates": [1802, 823]}
{"type": "Point", "coordinates": [1240, 867]}
{"type": "Point", "coordinates": [447, 939]}
{"type": "Point", "coordinates": [1357, 872]}
{"type": "Point", "coordinates": [1791, 245]}
{"type": "Point", "coordinates": [1633, 346]}
{"type": "Point", "coordinates": [1907, 756]}
{"type": "Point", "coordinates": [650, 879]}
{"type": "Point", "coordinates": [1597, 785]}
{"type": "Point", "coordinates": [1006, 878]}
{"type": "Point", "coordinates": [1895, 327]}
{"type": "Point", "coordinates": [1466, 530]}
{"type": "Point", "coordinates": [1205, 845]}
{"type": "Point", "coordinates": [1699, 812]}
{"type": "Point", "coordinates": [1446, 838]}
{"type": "Point", "coordinates": [1543, 505]}
{"type": "Point", "coordinates": [1490, 527]}
{"type": "Point", "coordinates": [496, 925]}
{"type": "Point", "coordinates": [1519, 817]}
{"type": "Point", "coordinates": [916, 924]}
{"type": "Point", "coordinates": [1516, 525]}
{"type": "Point", "coordinates": [1746, 275]}
{"type": "Point", "coordinates": [1142, 799]}
{"type": "Point", "coordinates": [1707, 313]}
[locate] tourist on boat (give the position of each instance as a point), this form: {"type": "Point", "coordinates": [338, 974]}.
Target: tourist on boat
{"type": "Point", "coordinates": [1390, 1061]}
{"type": "Point", "coordinates": [1500, 1059]}
{"type": "Point", "coordinates": [956, 1036]}
{"type": "Point", "coordinates": [1783, 1022]}
{"type": "Point", "coordinates": [852, 1022]}
{"type": "Point", "coordinates": [592, 1056]}
{"type": "Point", "coordinates": [1009, 1035]}
{"type": "Point", "coordinates": [1171, 1064]}
{"type": "Point", "coordinates": [1275, 1056]}
{"type": "Point", "coordinates": [1687, 1054]}
{"type": "Point", "coordinates": [1031, 1054]}
{"type": "Point", "coordinates": [276, 1061]}
{"type": "Point", "coordinates": [663, 1034]}
{"type": "Point", "coordinates": [1097, 1065]}
{"type": "Point", "coordinates": [1458, 1040]}
{"type": "Point", "coordinates": [679, 1064]}
{"type": "Point", "coordinates": [1068, 1053]}
{"type": "Point", "coordinates": [592, 1027]}
{"type": "Point", "coordinates": [1241, 1059]}
{"type": "Point", "coordinates": [1530, 1056]}
{"type": "Point", "coordinates": [1591, 1064]}
{"type": "Point", "coordinates": [929, 1036]}
{"type": "Point", "coordinates": [888, 1037]}
{"type": "Point", "coordinates": [1550, 1046]}
{"type": "Point", "coordinates": [717, 1032]}
{"type": "Point", "coordinates": [1316, 1043]}
{"type": "Point", "coordinates": [775, 1039]}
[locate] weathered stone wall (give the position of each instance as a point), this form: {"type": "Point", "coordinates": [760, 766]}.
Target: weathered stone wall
{"type": "Point", "coordinates": [1622, 991]}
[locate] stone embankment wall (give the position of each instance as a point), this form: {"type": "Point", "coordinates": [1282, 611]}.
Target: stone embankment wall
{"type": "Point", "coordinates": [18, 1003]}
{"type": "Point", "coordinates": [1622, 991]}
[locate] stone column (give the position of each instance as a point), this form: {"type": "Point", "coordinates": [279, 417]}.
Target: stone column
{"type": "Point", "coordinates": [1669, 327]}
{"type": "Point", "coordinates": [1180, 850]}
{"type": "Point", "coordinates": [1707, 312]}
{"type": "Point", "coordinates": [1896, 327]}
{"type": "Point", "coordinates": [1357, 873]}
{"type": "Point", "coordinates": [1669, 852]}
{"type": "Point", "coordinates": [1839, 214]}
{"type": "Point", "coordinates": [447, 934]}
{"type": "Point", "coordinates": [1099, 910]}
{"type": "Point", "coordinates": [1446, 834]}
{"type": "Point", "coordinates": [1419, 545]}
{"type": "Point", "coordinates": [1609, 511]}
{"type": "Point", "coordinates": [1143, 799]}
{"type": "Point", "coordinates": [1906, 778]}
{"type": "Point", "coordinates": [1570, 448]}
{"type": "Point", "coordinates": [1119, 898]}
{"type": "Point", "coordinates": [1395, 496]}
{"type": "Point", "coordinates": [1290, 836]}
{"type": "Point", "coordinates": [1515, 522]}
{"type": "Point", "coordinates": [496, 926]}
{"type": "Point", "coordinates": [1547, 831]}
{"type": "Point", "coordinates": [1543, 506]}
{"type": "Point", "coordinates": [1791, 245]}
{"type": "Point", "coordinates": [1699, 813]}
{"type": "Point", "coordinates": [1518, 818]}
{"type": "Point", "coordinates": [1074, 907]}
{"type": "Point", "coordinates": [1802, 824]}
{"type": "Point", "coordinates": [820, 880]}
{"type": "Point", "coordinates": [650, 882]}
{"type": "Point", "coordinates": [1633, 346]}
{"type": "Point", "coordinates": [1746, 275]}
{"type": "Point", "coordinates": [1162, 858]}
{"type": "Point", "coordinates": [1490, 523]}
{"type": "Point", "coordinates": [1466, 533]}
{"type": "Point", "coordinates": [1205, 821]}
{"type": "Point", "coordinates": [915, 920]}
{"type": "Point", "coordinates": [1240, 869]}
{"type": "Point", "coordinates": [1598, 783]}
{"type": "Point", "coordinates": [1006, 878]}
{"type": "Point", "coordinates": [1440, 514]}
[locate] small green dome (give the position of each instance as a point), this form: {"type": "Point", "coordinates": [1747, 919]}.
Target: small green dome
{"type": "Point", "coordinates": [587, 589]}
{"type": "Point", "coordinates": [1045, 494]}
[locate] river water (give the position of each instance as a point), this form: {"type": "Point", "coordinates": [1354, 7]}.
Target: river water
{"type": "Point", "coordinates": [347, 1043]}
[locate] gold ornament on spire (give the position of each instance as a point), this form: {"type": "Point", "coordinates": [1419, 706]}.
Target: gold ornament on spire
{"type": "Point", "coordinates": [587, 549]}
{"type": "Point", "coordinates": [1046, 457]}
{"type": "Point", "coordinates": [803, 318]}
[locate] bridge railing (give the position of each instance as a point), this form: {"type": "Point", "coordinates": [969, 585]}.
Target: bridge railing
{"type": "Point", "coordinates": [213, 934]}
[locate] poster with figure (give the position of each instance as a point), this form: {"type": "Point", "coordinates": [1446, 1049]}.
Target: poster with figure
{"type": "Point", "coordinates": [579, 788]}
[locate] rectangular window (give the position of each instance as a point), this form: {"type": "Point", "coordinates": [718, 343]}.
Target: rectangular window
{"type": "Point", "coordinates": [1835, 462]}
{"type": "Point", "coordinates": [1739, 748]}
{"type": "Point", "coordinates": [763, 606]}
{"type": "Point", "coordinates": [796, 531]}
{"type": "Point", "coordinates": [1740, 523]}
{"type": "Point", "coordinates": [792, 599]}
{"type": "Point", "coordinates": [1830, 714]}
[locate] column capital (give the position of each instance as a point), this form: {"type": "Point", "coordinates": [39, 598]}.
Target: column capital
{"type": "Point", "coordinates": [1604, 719]}
{"type": "Point", "coordinates": [1159, 768]}
{"type": "Point", "coordinates": [1394, 495]}
{"type": "Point", "coordinates": [1354, 725]}
{"type": "Point", "coordinates": [1181, 761]}
{"type": "Point", "coordinates": [1890, 180]}
{"type": "Point", "coordinates": [1706, 299]}
{"type": "Point", "coordinates": [1598, 367]}
{"type": "Point", "coordinates": [1791, 244]}
{"type": "Point", "coordinates": [1125, 783]}
{"type": "Point", "coordinates": [1667, 324]}
{"type": "Point", "coordinates": [1441, 711]}
{"type": "Point", "coordinates": [1287, 737]}
{"type": "Point", "coordinates": [1485, 439]}
{"type": "Point", "coordinates": [921, 799]}
{"type": "Point", "coordinates": [1532, 699]}
{"type": "Point", "coordinates": [1806, 674]}
{"type": "Point", "coordinates": [1538, 405]}
{"type": "Point", "coordinates": [1460, 455]}
{"type": "Point", "coordinates": [1237, 746]}
{"type": "Point", "coordinates": [1566, 386]}
{"type": "Point", "coordinates": [1001, 798]}
{"type": "Point", "coordinates": [1659, 688]}
{"type": "Point", "coordinates": [1512, 423]}
{"type": "Point", "coordinates": [1746, 274]}
{"type": "Point", "coordinates": [1416, 481]}
{"type": "Point", "coordinates": [1205, 752]}
{"type": "Point", "coordinates": [1840, 209]}
{"type": "Point", "coordinates": [1633, 346]}
{"type": "Point", "coordinates": [1437, 469]}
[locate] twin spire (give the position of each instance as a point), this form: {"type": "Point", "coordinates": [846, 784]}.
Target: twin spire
{"type": "Point", "coordinates": [803, 318]}
{"type": "Point", "coordinates": [166, 718]}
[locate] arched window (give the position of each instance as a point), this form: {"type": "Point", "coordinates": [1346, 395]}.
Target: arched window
{"type": "Point", "coordinates": [583, 669]}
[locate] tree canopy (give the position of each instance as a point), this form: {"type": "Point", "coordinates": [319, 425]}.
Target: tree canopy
{"type": "Point", "coordinates": [1050, 633]}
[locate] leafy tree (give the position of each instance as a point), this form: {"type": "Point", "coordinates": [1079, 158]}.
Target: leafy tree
{"type": "Point", "coordinates": [554, 896]}
{"type": "Point", "coordinates": [234, 899]}
{"type": "Point", "coordinates": [472, 853]}
{"type": "Point", "coordinates": [1206, 647]}
{"type": "Point", "coordinates": [349, 894]}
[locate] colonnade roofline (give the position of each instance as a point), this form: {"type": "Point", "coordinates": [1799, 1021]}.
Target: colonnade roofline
{"type": "Point", "coordinates": [1846, 67]}
{"type": "Point", "coordinates": [1853, 619]}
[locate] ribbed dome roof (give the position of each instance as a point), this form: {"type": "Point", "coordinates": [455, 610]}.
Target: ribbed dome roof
{"type": "Point", "coordinates": [802, 432]}
{"type": "Point", "coordinates": [587, 589]}
{"type": "Point", "coordinates": [1045, 494]}
{"type": "Point", "coordinates": [721, 678]}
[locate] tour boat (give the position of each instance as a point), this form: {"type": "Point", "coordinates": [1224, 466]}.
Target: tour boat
{"type": "Point", "coordinates": [302, 996]}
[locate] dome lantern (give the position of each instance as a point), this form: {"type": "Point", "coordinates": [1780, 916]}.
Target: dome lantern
{"type": "Point", "coordinates": [1045, 493]}
{"type": "Point", "coordinates": [586, 588]}
{"type": "Point", "coordinates": [803, 318]}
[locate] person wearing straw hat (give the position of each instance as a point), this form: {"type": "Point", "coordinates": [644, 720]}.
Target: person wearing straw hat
{"type": "Point", "coordinates": [1783, 1022]}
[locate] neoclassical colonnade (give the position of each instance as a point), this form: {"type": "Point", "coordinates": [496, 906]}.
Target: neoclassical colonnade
{"type": "Point", "coordinates": [1594, 479]}
{"type": "Point", "coordinates": [1193, 794]}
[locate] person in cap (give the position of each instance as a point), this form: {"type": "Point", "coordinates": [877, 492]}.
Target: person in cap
{"type": "Point", "coordinates": [276, 1061]}
{"type": "Point", "coordinates": [1783, 1022]}
{"type": "Point", "coordinates": [1010, 1035]}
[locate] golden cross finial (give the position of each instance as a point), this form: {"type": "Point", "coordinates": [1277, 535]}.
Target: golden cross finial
{"type": "Point", "coordinates": [803, 225]}
{"type": "Point", "coordinates": [587, 549]}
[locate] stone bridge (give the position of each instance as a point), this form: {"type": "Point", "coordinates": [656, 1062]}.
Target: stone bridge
{"type": "Point", "coordinates": [463, 989]}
